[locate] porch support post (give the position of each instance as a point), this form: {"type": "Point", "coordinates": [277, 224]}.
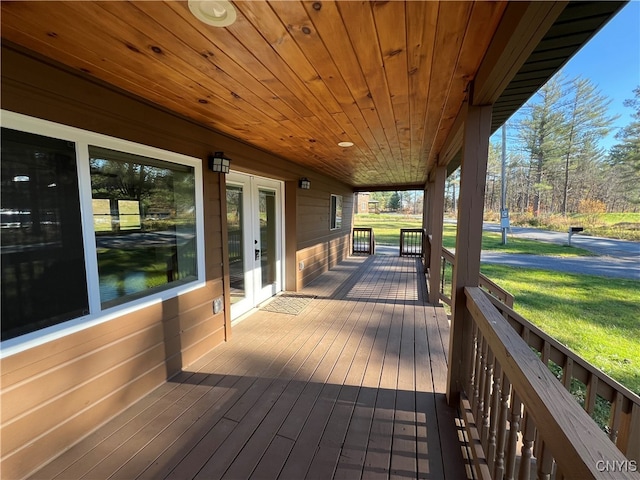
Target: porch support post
{"type": "Point", "coordinates": [290, 236]}
{"type": "Point", "coordinates": [436, 215]}
{"type": "Point", "coordinates": [426, 225]}
{"type": "Point", "coordinates": [466, 272]}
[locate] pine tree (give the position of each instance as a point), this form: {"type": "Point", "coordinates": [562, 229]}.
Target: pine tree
{"type": "Point", "coordinates": [625, 156]}
{"type": "Point", "coordinates": [587, 122]}
{"type": "Point", "coordinates": [540, 133]}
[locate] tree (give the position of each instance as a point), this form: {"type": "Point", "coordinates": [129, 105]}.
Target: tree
{"type": "Point", "coordinates": [587, 122]}
{"type": "Point", "coordinates": [540, 132]}
{"type": "Point", "coordinates": [394, 202]}
{"type": "Point", "coordinates": [625, 156]}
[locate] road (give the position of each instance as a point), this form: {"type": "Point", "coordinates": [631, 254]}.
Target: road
{"type": "Point", "coordinates": [615, 258]}
{"type": "Point", "coordinates": [600, 246]}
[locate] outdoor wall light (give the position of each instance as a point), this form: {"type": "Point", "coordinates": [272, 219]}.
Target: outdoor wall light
{"type": "Point", "coordinates": [305, 184]}
{"type": "Point", "coordinates": [219, 163]}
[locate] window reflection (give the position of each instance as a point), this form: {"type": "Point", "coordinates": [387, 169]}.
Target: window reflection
{"type": "Point", "coordinates": [144, 218]}
{"type": "Point", "coordinates": [43, 267]}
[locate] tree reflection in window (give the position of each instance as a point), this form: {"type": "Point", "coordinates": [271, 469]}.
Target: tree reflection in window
{"type": "Point", "coordinates": [145, 224]}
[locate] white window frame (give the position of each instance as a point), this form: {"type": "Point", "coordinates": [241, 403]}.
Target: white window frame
{"type": "Point", "coordinates": [333, 212]}
{"type": "Point", "coordinates": [97, 315]}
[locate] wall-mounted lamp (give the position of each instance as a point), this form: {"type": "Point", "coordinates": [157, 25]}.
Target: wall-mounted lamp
{"type": "Point", "coordinates": [219, 163]}
{"type": "Point", "coordinates": [305, 184]}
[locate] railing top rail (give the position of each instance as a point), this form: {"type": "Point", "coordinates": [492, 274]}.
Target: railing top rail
{"type": "Point", "coordinates": [575, 441]}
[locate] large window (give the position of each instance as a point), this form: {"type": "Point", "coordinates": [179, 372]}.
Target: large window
{"type": "Point", "coordinates": [145, 222]}
{"type": "Point", "coordinates": [90, 223]}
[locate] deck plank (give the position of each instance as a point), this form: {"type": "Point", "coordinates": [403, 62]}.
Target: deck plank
{"type": "Point", "coordinates": [352, 387]}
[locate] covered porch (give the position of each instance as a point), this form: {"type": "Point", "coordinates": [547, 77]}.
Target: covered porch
{"type": "Point", "coordinates": [351, 386]}
{"type": "Point", "coordinates": [367, 380]}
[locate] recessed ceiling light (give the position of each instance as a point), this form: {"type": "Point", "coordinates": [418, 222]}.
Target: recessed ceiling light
{"type": "Point", "coordinates": [345, 144]}
{"type": "Point", "coordinates": [219, 13]}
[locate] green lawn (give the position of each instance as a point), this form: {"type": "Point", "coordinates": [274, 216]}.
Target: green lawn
{"type": "Point", "coordinates": [597, 317]}
{"type": "Point", "coordinates": [609, 225]}
{"type": "Point", "coordinates": [386, 228]}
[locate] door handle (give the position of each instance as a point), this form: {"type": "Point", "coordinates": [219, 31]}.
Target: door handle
{"type": "Point", "coordinates": [257, 254]}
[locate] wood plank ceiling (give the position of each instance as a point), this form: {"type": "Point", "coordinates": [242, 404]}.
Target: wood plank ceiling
{"type": "Point", "coordinates": [291, 77]}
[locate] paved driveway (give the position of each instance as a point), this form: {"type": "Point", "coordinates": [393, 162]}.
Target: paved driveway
{"type": "Point", "coordinates": [616, 258]}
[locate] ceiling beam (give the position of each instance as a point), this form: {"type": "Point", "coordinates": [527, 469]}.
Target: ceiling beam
{"type": "Point", "coordinates": [523, 26]}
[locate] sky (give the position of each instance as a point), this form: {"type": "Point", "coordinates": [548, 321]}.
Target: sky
{"type": "Point", "coordinates": [611, 60]}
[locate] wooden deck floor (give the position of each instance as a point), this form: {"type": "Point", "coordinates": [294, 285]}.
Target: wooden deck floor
{"type": "Point", "coordinates": [352, 387]}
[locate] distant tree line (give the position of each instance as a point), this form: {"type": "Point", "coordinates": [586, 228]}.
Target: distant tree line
{"type": "Point", "coordinates": [555, 164]}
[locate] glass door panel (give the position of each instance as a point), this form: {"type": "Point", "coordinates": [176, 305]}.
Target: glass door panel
{"type": "Point", "coordinates": [267, 237]}
{"type": "Point", "coordinates": [268, 243]}
{"type": "Point", "coordinates": [235, 239]}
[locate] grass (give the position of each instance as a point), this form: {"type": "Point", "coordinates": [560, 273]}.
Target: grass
{"type": "Point", "coordinates": [624, 226]}
{"type": "Point", "coordinates": [387, 227]}
{"type": "Point", "coordinates": [596, 317]}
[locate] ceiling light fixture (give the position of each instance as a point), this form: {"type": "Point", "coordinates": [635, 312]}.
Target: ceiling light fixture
{"type": "Point", "coordinates": [218, 13]}
{"type": "Point", "coordinates": [345, 144]}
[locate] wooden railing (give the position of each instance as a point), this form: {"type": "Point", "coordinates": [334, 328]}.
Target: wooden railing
{"type": "Point", "coordinates": [448, 260]}
{"type": "Point", "coordinates": [514, 402]}
{"type": "Point", "coordinates": [613, 406]}
{"type": "Point", "coordinates": [411, 242]}
{"type": "Point", "coordinates": [363, 241]}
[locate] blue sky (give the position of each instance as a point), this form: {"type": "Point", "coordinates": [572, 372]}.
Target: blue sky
{"type": "Point", "coordinates": [611, 60]}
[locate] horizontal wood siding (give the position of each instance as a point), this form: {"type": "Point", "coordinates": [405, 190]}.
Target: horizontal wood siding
{"type": "Point", "coordinates": [321, 248]}
{"type": "Point", "coordinates": [55, 394]}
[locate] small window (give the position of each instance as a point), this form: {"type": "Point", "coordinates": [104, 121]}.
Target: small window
{"type": "Point", "coordinates": [43, 259]}
{"type": "Point", "coordinates": [336, 212]}
{"type": "Point", "coordinates": [145, 224]}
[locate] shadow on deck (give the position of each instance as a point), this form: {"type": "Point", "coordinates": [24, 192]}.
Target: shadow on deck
{"type": "Point", "coordinates": [351, 387]}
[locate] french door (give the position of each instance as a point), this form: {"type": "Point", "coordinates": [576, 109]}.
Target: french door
{"type": "Point", "coordinates": [254, 223]}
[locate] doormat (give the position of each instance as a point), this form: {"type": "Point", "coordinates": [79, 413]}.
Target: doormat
{"type": "Point", "coordinates": [288, 303]}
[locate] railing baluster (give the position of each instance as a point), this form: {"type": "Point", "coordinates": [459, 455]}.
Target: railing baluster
{"type": "Point", "coordinates": [478, 375]}
{"type": "Point", "coordinates": [495, 413]}
{"type": "Point", "coordinates": [615, 417]}
{"type": "Point", "coordinates": [483, 378]}
{"type": "Point", "coordinates": [484, 432]}
{"type": "Point", "coordinates": [444, 268]}
{"type": "Point", "coordinates": [475, 355]}
{"type": "Point", "coordinates": [545, 463]}
{"type": "Point", "coordinates": [592, 390]}
{"type": "Point", "coordinates": [499, 466]}
{"type": "Point", "coordinates": [567, 373]}
{"type": "Point", "coordinates": [528, 435]}
{"type": "Point", "coordinates": [514, 428]}
{"type": "Point", "coordinates": [629, 437]}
